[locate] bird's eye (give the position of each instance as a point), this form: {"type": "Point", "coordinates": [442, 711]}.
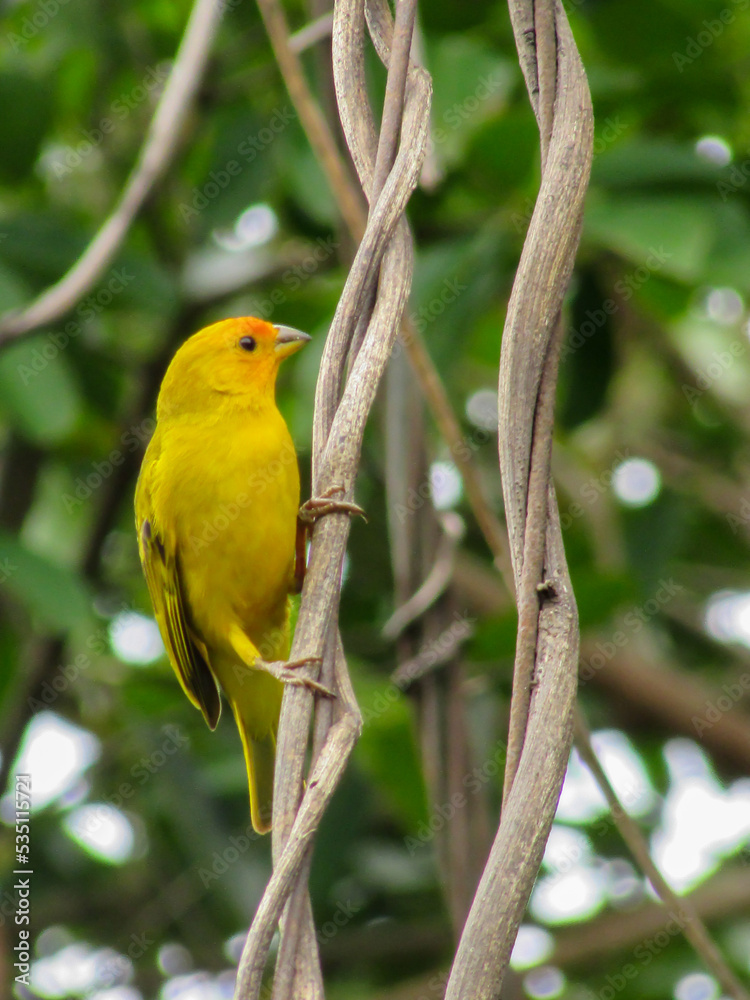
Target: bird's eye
{"type": "Point", "coordinates": [248, 343]}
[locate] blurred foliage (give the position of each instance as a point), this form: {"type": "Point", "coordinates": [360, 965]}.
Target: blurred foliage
{"type": "Point", "coordinates": [656, 366]}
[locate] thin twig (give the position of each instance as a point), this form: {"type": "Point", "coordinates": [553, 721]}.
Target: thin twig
{"type": "Point", "coordinates": [322, 783]}
{"type": "Point", "coordinates": [529, 594]}
{"type": "Point", "coordinates": [432, 168]}
{"type": "Point", "coordinates": [354, 215]}
{"type": "Point", "coordinates": [525, 426]}
{"type": "Point", "coordinates": [312, 33]}
{"type": "Point", "coordinates": [393, 105]}
{"type": "Point", "coordinates": [532, 588]}
{"type": "Point", "coordinates": [393, 112]}
{"type": "Point", "coordinates": [583, 946]}
{"type": "Point", "coordinates": [635, 679]}
{"type": "Point", "coordinates": [430, 659]}
{"type": "Point", "coordinates": [720, 897]}
{"type": "Point", "coordinates": [436, 581]}
{"type": "Point", "coordinates": [447, 423]}
{"type": "Point", "coordinates": [298, 961]}
{"type": "Point", "coordinates": [337, 440]}
{"type": "Point", "coordinates": [692, 926]}
{"type": "Point", "coordinates": [159, 146]}
{"type": "Point", "coordinates": [390, 127]}
{"type": "Point", "coordinates": [311, 117]}
{"type": "Point", "coordinates": [664, 694]}
{"type": "Point", "coordinates": [546, 63]}
{"type": "Point", "coordinates": [433, 389]}
{"type": "Point", "coordinates": [432, 644]}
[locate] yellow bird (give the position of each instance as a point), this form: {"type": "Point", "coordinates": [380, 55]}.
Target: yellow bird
{"type": "Point", "coordinates": [216, 514]}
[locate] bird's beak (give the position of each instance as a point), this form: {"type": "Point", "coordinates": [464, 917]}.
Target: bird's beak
{"type": "Point", "coordinates": [289, 341]}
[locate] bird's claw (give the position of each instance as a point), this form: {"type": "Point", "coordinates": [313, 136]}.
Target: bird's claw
{"type": "Point", "coordinates": [285, 672]}
{"type": "Point", "coordinates": [305, 661]}
{"type": "Point", "coordinates": [327, 503]}
{"type": "Point", "coordinates": [307, 682]}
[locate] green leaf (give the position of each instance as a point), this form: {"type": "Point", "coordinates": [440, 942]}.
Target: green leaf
{"type": "Point", "coordinates": [471, 86]}
{"type": "Point", "coordinates": [729, 259]}
{"type": "Point", "coordinates": [598, 596]}
{"type": "Point", "coordinates": [487, 155]}
{"type": "Point", "coordinates": [42, 245]}
{"type": "Point", "coordinates": [51, 593]}
{"type": "Point", "coordinates": [38, 393]}
{"type": "Point", "coordinates": [386, 749]}
{"type": "Point", "coordinates": [651, 161]}
{"type": "Point", "coordinates": [13, 293]}
{"type": "Point", "coordinates": [588, 353]}
{"type": "Point", "coordinates": [306, 181]}
{"type": "Point", "coordinates": [26, 116]}
{"type": "Point", "coordinates": [670, 235]}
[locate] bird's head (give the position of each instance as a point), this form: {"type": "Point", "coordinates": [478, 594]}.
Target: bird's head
{"type": "Point", "coordinates": [233, 358]}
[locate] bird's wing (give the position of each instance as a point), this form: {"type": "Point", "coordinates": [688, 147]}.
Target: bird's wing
{"type": "Point", "coordinates": [162, 571]}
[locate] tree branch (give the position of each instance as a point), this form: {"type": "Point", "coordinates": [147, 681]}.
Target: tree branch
{"type": "Point", "coordinates": [527, 373]}
{"type": "Point", "coordinates": [337, 440]}
{"type": "Point", "coordinates": [692, 926]}
{"type": "Point", "coordinates": [158, 149]}
{"type": "Point", "coordinates": [354, 214]}
{"type": "Point", "coordinates": [723, 895]}
{"type": "Point", "coordinates": [435, 583]}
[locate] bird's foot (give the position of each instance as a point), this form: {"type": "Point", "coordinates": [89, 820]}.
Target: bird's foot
{"type": "Point", "coordinates": [284, 671]}
{"type": "Point", "coordinates": [327, 503]}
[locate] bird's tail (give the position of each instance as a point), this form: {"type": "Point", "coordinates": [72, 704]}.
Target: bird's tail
{"type": "Point", "coordinates": [255, 696]}
{"type": "Point", "coordinates": [260, 760]}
